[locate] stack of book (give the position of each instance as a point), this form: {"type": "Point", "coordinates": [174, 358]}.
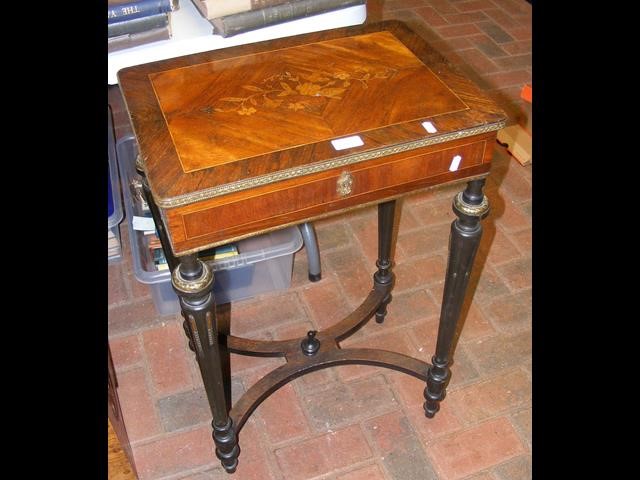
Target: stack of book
{"type": "Point", "coordinates": [231, 17]}
{"type": "Point", "coordinates": [212, 254]}
{"type": "Point", "coordinates": [157, 254]}
{"type": "Point", "coordinates": [137, 22]}
{"type": "Point", "coordinates": [146, 226]}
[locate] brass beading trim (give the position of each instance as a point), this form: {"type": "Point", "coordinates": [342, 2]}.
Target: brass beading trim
{"type": "Point", "coordinates": [290, 173]}
{"type": "Point", "coordinates": [469, 209]}
{"type": "Point", "coordinates": [196, 285]}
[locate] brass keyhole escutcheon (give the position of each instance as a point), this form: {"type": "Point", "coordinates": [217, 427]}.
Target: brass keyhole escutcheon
{"type": "Point", "coordinates": [344, 186]}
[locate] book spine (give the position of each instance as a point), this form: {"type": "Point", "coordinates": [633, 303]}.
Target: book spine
{"type": "Point", "coordinates": [136, 25]}
{"type": "Point", "coordinates": [135, 39]}
{"type": "Point", "coordinates": [217, 8]}
{"type": "Point", "coordinates": [246, 21]}
{"type": "Point", "coordinates": [139, 8]}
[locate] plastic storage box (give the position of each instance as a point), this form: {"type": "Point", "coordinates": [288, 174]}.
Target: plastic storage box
{"type": "Point", "coordinates": [264, 263]}
{"type": "Point", "coordinates": [114, 202]}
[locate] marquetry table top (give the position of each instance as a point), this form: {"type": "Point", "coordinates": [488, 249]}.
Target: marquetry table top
{"type": "Point", "coordinates": [208, 120]}
{"type": "Point", "coordinates": [243, 140]}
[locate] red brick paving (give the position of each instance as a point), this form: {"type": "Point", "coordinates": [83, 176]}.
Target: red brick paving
{"type": "Point", "coordinates": [474, 5]}
{"type": "Point", "coordinates": [166, 352]}
{"type": "Point", "coordinates": [402, 455]}
{"type": "Point", "coordinates": [323, 454]}
{"type": "Point", "coordinates": [465, 18]}
{"type": "Point", "coordinates": [260, 464]}
{"type": "Point", "coordinates": [431, 16]}
{"type": "Point", "coordinates": [512, 218]}
{"type": "Point", "coordinates": [175, 453]}
{"type": "Point", "coordinates": [482, 476]}
{"type": "Point", "coordinates": [443, 6]}
{"type": "Point", "coordinates": [443, 423]}
{"type": "Point", "coordinates": [396, 341]}
{"type": "Point", "coordinates": [485, 445]}
{"type": "Point", "coordinates": [281, 413]}
{"type": "Point", "coordinates": [126, 351]}
{"type": "Point", "coordinates": [412, 274]}
{"type": "Point", "coordinates": [501, 18]}
{"type": "Point", "coordinates": [138, 408]}
{"type": "Point", "coordinates": [523, 240]}
{"type": "Point", "coordinates": [371, 472]}
{"type": "Point", "coordinates": [478, 61]}
{"type": "Point", "coordinates": [502, 393]}
{"type": "Point", "coordinates": [400, 4]}
{"type": "Point", "coordinates": [516, 48]}
{"type": "Point", "coordinates": [325, 302]}
{"type": "Point", "coordinates": [489, 48]}
{"type": "Point", "coordinates": [462, 30]}
{"type": "Point", "coordinates": [483, 430]}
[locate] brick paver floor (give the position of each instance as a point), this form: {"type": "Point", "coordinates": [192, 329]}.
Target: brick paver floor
{"type": "Point", "coordinates": [357, 422]}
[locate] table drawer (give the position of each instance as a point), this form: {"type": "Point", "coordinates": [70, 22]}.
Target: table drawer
{"type": "Point", "coordinates": [295, 200]}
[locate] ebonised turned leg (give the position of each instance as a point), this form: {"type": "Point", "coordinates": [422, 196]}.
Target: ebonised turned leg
{"type": "Point", "coordinates": [383, 278]}
{"type": "Point", "coordinates": [470, 206]}
{"type": "Point", "coordinates": [172, 262]}
{"type": "Point", "coordinates": [193, 282]}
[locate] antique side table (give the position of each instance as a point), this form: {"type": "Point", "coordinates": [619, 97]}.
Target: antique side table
{"type": "Point", "coordinates": [248, 139]}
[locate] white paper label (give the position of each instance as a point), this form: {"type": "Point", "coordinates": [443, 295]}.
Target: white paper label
{"type": "Point", "coordinates": [429, 127]}
{"type": "Point", "coordinates": [347, 142]}
{"type": "Point", "coordinates": [143, 223]}
{"type": "Point", "coordinates": [455, 163]}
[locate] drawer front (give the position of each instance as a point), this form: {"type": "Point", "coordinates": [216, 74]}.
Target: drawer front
{"type": "Point", "coordinates": [300, 199]}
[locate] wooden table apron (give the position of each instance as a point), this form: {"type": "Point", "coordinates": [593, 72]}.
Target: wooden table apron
{"type": "Point", "coordinates": [240, 141]}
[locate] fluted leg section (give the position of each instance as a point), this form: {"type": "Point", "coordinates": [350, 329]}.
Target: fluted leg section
{"type": "Point", "coordinates": [193, 282]}
{"type": "Point", "coordinates": [470, 206]}
{"type": "Point", "coordinates": [383, 278]}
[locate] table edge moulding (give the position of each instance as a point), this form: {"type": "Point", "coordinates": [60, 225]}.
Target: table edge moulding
{"type": "Point", "coordinates": [248, 139]}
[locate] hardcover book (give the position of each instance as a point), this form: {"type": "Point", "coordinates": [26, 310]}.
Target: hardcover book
{"type": "Point", "coordinates": [220, 252]}
{"type": "Point", "coordinates": [246, 21]}
{"type": "Point", "coordinates": [212, 254]}
{"type": "Point", "coordinates": [219, 8]}
{"type": "Point", "coordinates": [141, 38]}
{"type": "Point", "coordinates": [119, 10]}
{"type": "Point", "coordinates": [136, 25]}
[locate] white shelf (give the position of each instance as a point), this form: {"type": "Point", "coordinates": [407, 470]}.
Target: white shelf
{"type": "Point", "coordinates": [192, 33]}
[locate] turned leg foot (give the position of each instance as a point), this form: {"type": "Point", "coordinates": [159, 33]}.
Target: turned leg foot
{"type": "Point", "coordinates": [437, 379]}
{"type": "Point", "coordinates": [469, 206]}
{"type": "Point", "coordinates": [227, 449]}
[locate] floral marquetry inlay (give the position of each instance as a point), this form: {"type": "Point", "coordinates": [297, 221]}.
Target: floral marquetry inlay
{"type": "Point", "coordinates": [229, 109]}
{"type": "Point", "coordinates": [299, 91]}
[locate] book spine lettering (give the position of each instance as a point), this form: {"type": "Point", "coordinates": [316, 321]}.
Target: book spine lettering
{"type": "Point", "coordinates": [137, 9]}
{"type": "Point", "coordinates": [136, 25]}
{"type": "Point", "coordinates": [246, 21]}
